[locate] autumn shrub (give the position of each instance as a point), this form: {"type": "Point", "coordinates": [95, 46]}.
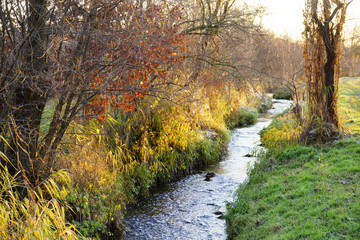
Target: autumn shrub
{"type": "Point", "coordinates": [117, 160]}
{"type": "Point", "coordinates": [215, 106]}
{"type": "Point", "coordinates": [265, 104]}
{"type": "Point", "coordinates": [209, 112]}
{"type": "Point", "coordinates": [99, 190]}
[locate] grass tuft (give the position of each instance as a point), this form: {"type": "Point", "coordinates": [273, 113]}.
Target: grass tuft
{"type": "Point", "coordinates": [282, 93]}
{"type": "Point", "coordinates": [38, 215]}
{"type": "Point", "coordinates": [241, 118]}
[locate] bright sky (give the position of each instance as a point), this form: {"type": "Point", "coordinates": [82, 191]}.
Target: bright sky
{"type": "Point", "coordinates": [285, 17]}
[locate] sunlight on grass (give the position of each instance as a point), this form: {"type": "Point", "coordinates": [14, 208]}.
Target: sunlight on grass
{"type": "Point", "coordinates": [349, 104]}
{"type": "Point", "coordinates": [47, 117]}
{"type": "Point", "coordinates": [283, 132]}
{"type": "Point", "coordinates": [118, 160]}
{"type": "Point", "coordinates": [303, 192]}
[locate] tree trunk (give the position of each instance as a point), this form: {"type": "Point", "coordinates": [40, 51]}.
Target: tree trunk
{"type": "Point", "coordinates": [26, 118]}
{"type": "Point", "coordinates": [324, 26]}
{"type": "Point", "coordinates": [330, 88]}
{"type": "Point", "coordinates": [29, 97]}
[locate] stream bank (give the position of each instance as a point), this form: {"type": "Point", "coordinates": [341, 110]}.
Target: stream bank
{"type": "Point", "coordinates": [300, 192]}
{"type": "Point", "coordinates": [192, 208]}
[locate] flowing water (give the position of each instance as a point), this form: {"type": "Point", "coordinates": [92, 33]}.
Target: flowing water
{"type": "Point", "coordinates": [191, 208]}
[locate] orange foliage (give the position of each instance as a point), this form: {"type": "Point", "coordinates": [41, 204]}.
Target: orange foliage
{"type": "Point", "coordinates": [140, 50]}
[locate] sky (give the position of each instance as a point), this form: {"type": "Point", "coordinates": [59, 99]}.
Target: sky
{"type": "Point", "coordinates": [285, 17]}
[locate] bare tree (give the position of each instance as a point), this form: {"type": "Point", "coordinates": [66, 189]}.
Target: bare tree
{"type": "Point", "coordinates": [23, 84]}
{"type": "Point", "coordinates": [323, 35]}
{"type": "Point", "coordinates": [214, 26]}
{"type": "Point", "coordinates": [288, 71]}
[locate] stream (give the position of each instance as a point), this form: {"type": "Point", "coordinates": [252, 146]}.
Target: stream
{"type": "Point", "coordinates": [191, 208]}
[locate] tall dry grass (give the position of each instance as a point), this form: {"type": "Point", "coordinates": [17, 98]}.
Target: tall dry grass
{"type": "Point", "coordinates": [38, 215]}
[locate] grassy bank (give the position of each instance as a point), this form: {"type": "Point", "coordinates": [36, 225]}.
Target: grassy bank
{"type": "Point", "coordinates": [38, 214]}
{"type": "Point", "coordinates": [302, 192]}
{"type": "Point", "coordinates": [104, 166]}
{"type": "Point", "coordinates": [165, 145]}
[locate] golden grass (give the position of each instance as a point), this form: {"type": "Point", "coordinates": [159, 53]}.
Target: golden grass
{"type": "Point", "coordinates": [283, 131]}
{"type": "Point", "coordinates": [116, 161]}
{"type": "Point", "coordinates": [34, 216]}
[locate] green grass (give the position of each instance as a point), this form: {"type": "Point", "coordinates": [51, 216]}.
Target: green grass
{"type": "Point", "coordinates": [47, 116]}
{"type": "Point", "coordinates": [301, 193]}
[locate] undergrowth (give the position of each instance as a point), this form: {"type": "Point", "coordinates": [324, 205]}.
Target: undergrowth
{"type": "Point", "coordinates": [116, 161]}
{"type": "Point", "coordinates": [283, 131]}
{"type": "Point", "coordinates": [241, 117]}
{"type": "Point", "coordinates": [110, 164]}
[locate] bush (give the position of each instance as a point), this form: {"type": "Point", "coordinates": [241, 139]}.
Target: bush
{"type": "Point", "coordinates": [116, 161]}
{"type": "Point", "coordinates": [265, 105]}
{"type": "Point", "coordinates": [282, 93]}
{"type": "Point", "coordinates": [241, 118]}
